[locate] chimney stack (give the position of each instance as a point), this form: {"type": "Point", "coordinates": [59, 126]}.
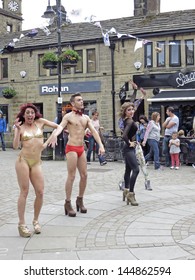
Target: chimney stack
{"type": "Point", "coordinates": [146, 7]}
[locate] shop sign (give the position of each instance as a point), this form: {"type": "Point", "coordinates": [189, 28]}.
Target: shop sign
{"type": "Point", "coordinates": [180, 80]}
{"type": "Point", "coordinates": [91, 86]}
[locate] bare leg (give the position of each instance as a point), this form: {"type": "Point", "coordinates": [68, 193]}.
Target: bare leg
{"type": "Point", "coordinates": [71, 167]}
{"type": "Point", "coordinates": [37, 180]}
{"type": "Point", "coordinates": [22, 171]}
{"type": "Point", "coordinates": [82, 167]}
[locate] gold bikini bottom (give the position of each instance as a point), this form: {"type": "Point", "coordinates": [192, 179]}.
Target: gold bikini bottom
{"type": "Point", "coordinates": [30, 162]}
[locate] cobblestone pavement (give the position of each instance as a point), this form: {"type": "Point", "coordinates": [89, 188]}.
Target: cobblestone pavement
{"type": "Point", "coordinates": [162, 227]}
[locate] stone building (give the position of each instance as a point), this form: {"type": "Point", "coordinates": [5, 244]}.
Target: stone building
{"type": "Point", "coordinates": [155, 50]}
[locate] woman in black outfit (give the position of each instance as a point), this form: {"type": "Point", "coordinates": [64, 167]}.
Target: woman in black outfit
{"type": "Point", "coordinates": [131, 164]}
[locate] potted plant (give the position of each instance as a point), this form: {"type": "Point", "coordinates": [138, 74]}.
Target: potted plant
{"type": "Point", "coordinates": [9, 92]}
{"type": "Point", "coordinates": [69, 58]}
{"type": "Point", "coordinates": [49, 60]}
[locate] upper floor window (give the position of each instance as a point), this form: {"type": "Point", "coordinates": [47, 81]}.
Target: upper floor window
{"type": "Point", "coordinates": [91, 60]}
{"type": "Point", "coordinates": [4, 68]}
{"type": "Point", "coordinates": [79, 67]}
{"type": "Point", "coordinates": [160, 54]}
{"type": "Point", "coordinates": [189, 52]}
{"type": "Point", "coordinates": [9, 28]}
{"type": "Point", "coordinates": [148, 59]}
{"type": "Point", "coordinates": [175, 53]}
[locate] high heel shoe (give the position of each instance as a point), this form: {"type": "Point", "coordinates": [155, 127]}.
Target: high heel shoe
{"type": "Point", "coordinates": [131, 199]}
{"type": "Point", "coordinates": [24, 231]}
{"type": "Point", "coordinates": [79, 205]}
{"type": "Point", "coordinates": [37, 227]}
{"type": "Point", "coordinates": [68, 209]}
{"type": "Point", "coordinates": [125, 192]}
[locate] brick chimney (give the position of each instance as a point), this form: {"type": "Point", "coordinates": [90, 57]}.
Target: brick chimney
{"type": "Point", "coordinates": [146, 7]}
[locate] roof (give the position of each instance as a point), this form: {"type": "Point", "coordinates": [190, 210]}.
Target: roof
{"type": "Point", "coordinates": [141, 27]}
{"type": "Point", "coordinates": [173, 95]}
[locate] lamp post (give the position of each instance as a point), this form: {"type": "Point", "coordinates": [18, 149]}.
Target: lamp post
{"type": "Point", "coordinates": [49, 13]}
{"type": "Point", "coordinates": [112, 48]}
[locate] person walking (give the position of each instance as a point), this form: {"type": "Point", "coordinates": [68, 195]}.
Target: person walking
{"type": "Point", "coordinates": [142, 125]}
{"type": "Point", "coordinates": [174, 145]}
{"type": "Point", "coordinates": [3, 127]}
{"type": "Point", "coordinates": [131, 164]}
{"type": "Point", "coordinates": [92, 142]}
{"type": "Point", "coordinates": [171, 125]}
{"type": "Point", "coordinates": [76, 123]}
{"type": "Point", "coordinates": [28, 133]}
{"type": "Point", "coordinates": [152, 136]}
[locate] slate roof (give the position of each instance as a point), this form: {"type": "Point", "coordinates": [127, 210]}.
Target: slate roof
{"type": "Point", "coordinates": [168, 23]}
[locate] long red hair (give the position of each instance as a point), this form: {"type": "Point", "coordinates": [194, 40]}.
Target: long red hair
{"type": "Point", "coordinates": [23, 109]}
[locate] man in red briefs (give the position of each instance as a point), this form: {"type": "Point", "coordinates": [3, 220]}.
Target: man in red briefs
{"type": "Point", "coordinates": [76, 123]}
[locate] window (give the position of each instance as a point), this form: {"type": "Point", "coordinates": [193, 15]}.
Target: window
{"type": "Point", "coordinates": [4, 68]}
{"type": "Point", "coordinates": [79, 67]}
{"type": "Point", "coordinates": [91, 61]}
{"type": "Point", "coordinates": [42, 71]}
{"type": "Point", "coordinates": [148, 61]}
{"type": "Point", "coordinates": [175, 53]}
{"type": "Point", "coordinates": [161, 54]}
{"type": "Point", "coordinates": [9, 28]}
{"type": "Point", "coordinates": [189, 52]}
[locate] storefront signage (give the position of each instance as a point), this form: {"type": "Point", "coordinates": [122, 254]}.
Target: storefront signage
{"type": "Point", "coordinates": [91, 86]}
{"type": "Point", "coordinates": [181, 80]}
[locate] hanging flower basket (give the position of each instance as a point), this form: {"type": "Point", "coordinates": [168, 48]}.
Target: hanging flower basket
{"type": "Point", "coordinates": [9, 93]}
{"type": "Point", "coordinates": [69, 58]}
{"type": "Point", "coordinates": [49, 60]}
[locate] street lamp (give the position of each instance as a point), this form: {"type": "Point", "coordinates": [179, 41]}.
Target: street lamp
{"type": "Point", "coordinates": [112, 48]}
{"type": "Point", "coordinates": [50, 13]}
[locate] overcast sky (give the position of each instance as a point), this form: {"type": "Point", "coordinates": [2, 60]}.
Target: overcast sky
{"type": "Point", "coordinates": [101, 9]}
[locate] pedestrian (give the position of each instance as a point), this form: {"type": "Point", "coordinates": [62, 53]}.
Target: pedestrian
{"type": "Point", "coordinates": [91, 140]}
{"type": "Point", "coordinates": [76, 123]}
{"type": "Point", "coordinates": [3, 127]}
{"type": "Point", "coordinates": [28, 131]}
{"type": "Point", "coordinates": [142, 125]}
{"type": "Point", "coordinates": [152, 136]}
{"type": "Point", "coordinates": [131, 164]}
{"type": "Point", "coordinates": [171, 125]}
{"type": "Point", "coordinates": [174, 145]}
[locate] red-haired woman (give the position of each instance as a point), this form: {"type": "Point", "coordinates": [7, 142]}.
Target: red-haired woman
{"type": "Point", "coordinates": [28, 132]}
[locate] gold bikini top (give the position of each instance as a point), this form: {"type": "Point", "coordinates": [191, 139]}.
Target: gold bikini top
{"type": "Point", "coordinates": [27, 135]}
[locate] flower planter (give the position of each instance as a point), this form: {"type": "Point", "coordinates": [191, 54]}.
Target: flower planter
{"type": "Point", "coordinates": [69, 63]}
{"type": "Point", "coordinates": [50, 64]}
{"type": "Point", "coordinates": [8, 96]}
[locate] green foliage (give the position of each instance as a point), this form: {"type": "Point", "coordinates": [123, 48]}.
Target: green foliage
{"type": "Point", "coordinates": [9, 92]}
{"type": "Point", "coordinates": [49, 56]}
{"type": "Point", "coordinates": [70, 55]}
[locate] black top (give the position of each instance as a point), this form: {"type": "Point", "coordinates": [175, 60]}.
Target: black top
{"type": "Point", "coordinates": [129, 133]}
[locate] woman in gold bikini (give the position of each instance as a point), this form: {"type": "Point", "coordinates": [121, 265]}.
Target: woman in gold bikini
{"type": "Point", "coordinates": [28, 132]}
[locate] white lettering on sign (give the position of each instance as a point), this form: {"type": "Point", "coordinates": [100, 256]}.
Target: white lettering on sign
{"type": "Point", "coordinates": [185, 79]}
{"type": "Point", "coordinates": [51, 89]}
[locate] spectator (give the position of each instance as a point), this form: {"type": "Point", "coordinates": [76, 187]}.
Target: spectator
{"type": "Point", "coordinates": [171, 125]}
{"type": "Point", "coordinates": [174, 145]}
{"type": "Point", "coordinates": [152, 135]}
{"type": "Point", "coordinates": [3, 127]}
{"type": "Point", "coordinates": [92, 142]}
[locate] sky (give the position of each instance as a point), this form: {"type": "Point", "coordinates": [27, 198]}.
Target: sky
{"type": "Point", "coordinates": [100, 9]}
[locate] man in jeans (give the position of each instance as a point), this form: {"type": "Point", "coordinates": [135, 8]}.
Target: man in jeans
{"type": "Point", "coordinates": [171, 125]}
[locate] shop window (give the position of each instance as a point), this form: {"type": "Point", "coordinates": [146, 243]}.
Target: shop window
{"type": "Point", "coordinates": [189, 52]}
{"type": "Point", "coordinates": [79, 67]}
{"type": "Point", "coordinates": [91, 61]}
{"type": "Point", "coordinates": [89, 107]}
{"type": "Point", "coordinates": [160, 54]}
{"type": "Point", "coordinates": [4, 68]}
{"type": "Point", "coordinates": [148, 59]}
{"type": "Point", "coordinates": [175, 53]}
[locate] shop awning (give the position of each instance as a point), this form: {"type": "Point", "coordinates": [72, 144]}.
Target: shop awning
{"type": "Point", "coordinates": [174, 95]}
